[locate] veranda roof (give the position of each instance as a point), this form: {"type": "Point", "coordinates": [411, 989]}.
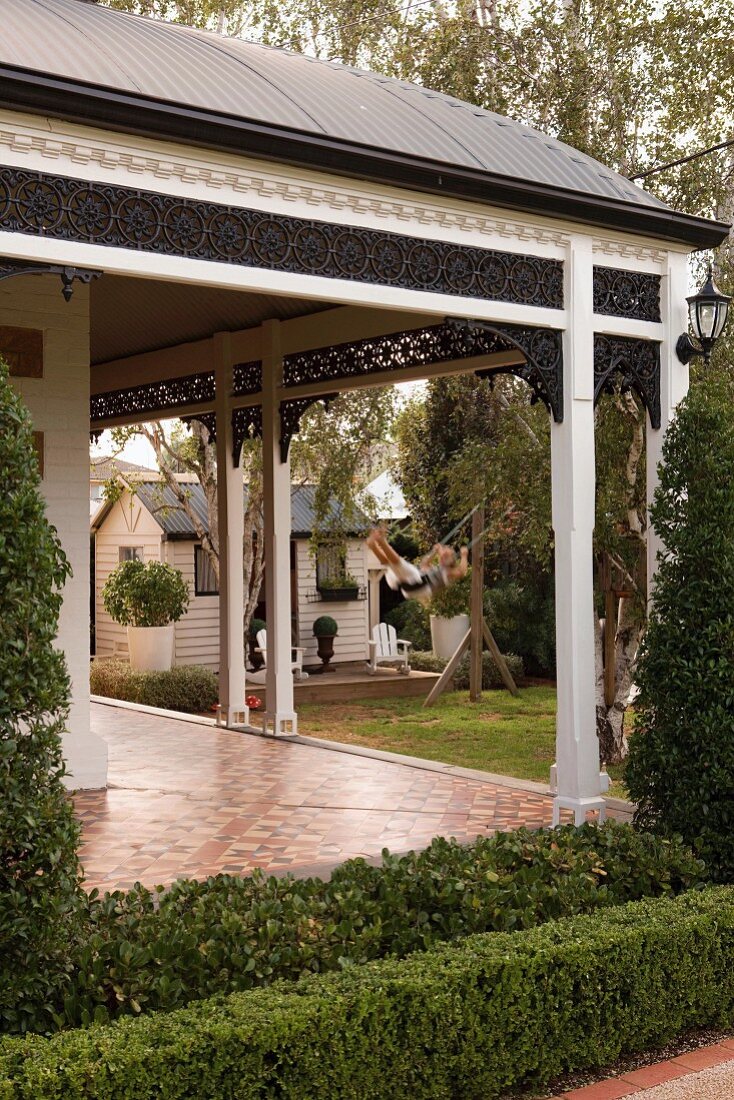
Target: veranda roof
{"type": "Point", "coordinates": [75, 60]}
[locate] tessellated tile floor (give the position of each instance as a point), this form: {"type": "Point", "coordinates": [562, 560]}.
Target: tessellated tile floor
{"type": "Point", "coordinates": [189, 800]}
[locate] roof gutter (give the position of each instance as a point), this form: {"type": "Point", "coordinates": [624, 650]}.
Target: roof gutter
{"type": "Point", "coordinates": [58, 97]}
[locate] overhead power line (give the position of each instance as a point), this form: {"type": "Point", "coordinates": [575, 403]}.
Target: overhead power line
{"type": "Point", "coordinates": [683, 160]}
{"type": "Point", "coordinates": [383, 15]}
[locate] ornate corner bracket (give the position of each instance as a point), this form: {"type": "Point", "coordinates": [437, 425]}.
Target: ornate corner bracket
{"type": "Point", "coordinates": [9, 269]}
{"type": "Point", "coordinates": [542, 349]}
{"type": "Point", "coordinates": [290, 418]}
{"type": "Point", "coordinates": [246, 424]}
{"type": "Point", "coordinates": [636, 362]}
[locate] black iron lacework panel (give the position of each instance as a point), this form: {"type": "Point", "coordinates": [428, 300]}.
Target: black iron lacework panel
{"type": "Point", "coordinates": [246, 424]}
{"type": "Point", "coordinates": [638, 364]}
{"type": "Point", "coordinates": [153, 397]}
{"type": "Point", "coordinates": [248, 377]}
{"type": "Point", "coordinates": [633, 294]}
{"type": "Point", "coordinates": [98, 213]}
{"type": "Point", "coordinates": [453, 340]}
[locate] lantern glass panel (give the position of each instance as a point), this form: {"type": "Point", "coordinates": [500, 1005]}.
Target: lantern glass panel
{"type": "Point", "coordinates": [706, 320]}
{"type": "Point", "coordinates": [720, 319]}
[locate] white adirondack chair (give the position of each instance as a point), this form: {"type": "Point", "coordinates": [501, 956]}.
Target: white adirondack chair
{"type": "Point", "coordinates": [387, 649]}
{"type": "Point", "coordinates": [296, 655]}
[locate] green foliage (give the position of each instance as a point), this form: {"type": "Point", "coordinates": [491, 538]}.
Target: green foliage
{"type": "Point", "coordinates": [465, 1020]}
{"type": "Point", "coordinates": [681, 765]}
{"type": "Point", "coordinates": [338, 580]}
{"type": "Point", "coordinates": [189, 688]}
{"type": "Point", "coordinates": [142, 952]}
{"type": "Point", "coordinates": [39, 871]}
{"type": "Point", "coordinates": [256, 625]}
{"type": "Point", "coordinates": [454, 600]}
{"type": "Point", "coordinates": [325, 627]}
{"type": "Point", "coordinates": [410, 619]}
{"type": "Point", "coordinates": [523, 620]}
{"type": "Point", "coordinates": [150, 594]}
{"type": "Point", "coordinates": [491, 678]}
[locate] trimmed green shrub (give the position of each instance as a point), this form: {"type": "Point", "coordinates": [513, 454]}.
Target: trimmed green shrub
{"type": "Point", "coordinates": [467, 1020]}
{"type": "Point", "coordinates": [325, 627]}
{"type": "Point", "coordinates": [410, 619]}
{"type": "Point", "coordinates": [143, 952]}
{"type": "Point", "coordinates": [680, 769]}
{"type": "Point", "coordinates": [256, 625]}
{"type": "Point", "coordinates": [491, 678]}
{"type": "Point", "coordinates": [454, 600]}
{"type": "Point", "coordinates": [189, 688]}
{"type": "Point", "coordinates": [150, 594]}
{"type": "Point", "coordinates": [39, 872]}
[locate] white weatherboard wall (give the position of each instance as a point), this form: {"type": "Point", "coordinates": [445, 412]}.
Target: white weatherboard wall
{"type": "Point", "coordinates": [59, 407]}
{"type": "Point", "coordinates": [197, 634]}
{"type": "Point", "coordinates": [128, 524]}
{"type": "Point", "coordinates": [352, 616]}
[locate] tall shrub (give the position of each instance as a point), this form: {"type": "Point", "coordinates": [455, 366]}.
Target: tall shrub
{"type": "Point", "coordinates": [681, 765]}
{"type": "Point", "coordinates": [39, 871]}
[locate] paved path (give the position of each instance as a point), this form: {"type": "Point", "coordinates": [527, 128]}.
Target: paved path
{"type": "Point", "coordinates": [191, 800]}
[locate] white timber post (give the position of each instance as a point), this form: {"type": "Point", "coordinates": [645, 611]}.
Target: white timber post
{"type": "Point", "coordinates": [577, 779]}
{"type": "Point", "coordinates": [231, 521]}
{"type": "Point", "coordinates": [280, 715]}
{"type": "Point", "coordinates": [674, 379]}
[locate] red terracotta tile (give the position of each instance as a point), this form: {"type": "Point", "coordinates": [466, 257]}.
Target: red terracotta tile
{"type": "Point", "coordinates": [657, 1074]}
{"type": "Point", "coordinates": [602, 1090]}
{"type": "Point", "coordinates": [704, 1058]}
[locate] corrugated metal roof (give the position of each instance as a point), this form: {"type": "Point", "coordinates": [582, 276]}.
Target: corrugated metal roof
{"type": "Point", "coordinates": [160, 500]}
{"type": "Point", "coordinates": [198, 69]}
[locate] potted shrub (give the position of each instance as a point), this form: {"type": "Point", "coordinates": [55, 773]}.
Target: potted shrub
{"type": "Point", "coordinates": [147, 599]}
{"type": "Point", "coordinates": [449, 611]}
{"type": "Point", "coordinates": [256, 659]}
{"type": "Point", "coordinates": [343, 587]}
{"type": "Point", "coordinates": [325, 630]}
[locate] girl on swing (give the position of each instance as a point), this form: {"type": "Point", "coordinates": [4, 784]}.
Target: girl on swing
{"type": "Point", "coordinates": [419, 582]}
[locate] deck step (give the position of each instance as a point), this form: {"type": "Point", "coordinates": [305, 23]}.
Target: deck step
{"type": "Point", "coordinates": [352, 685]}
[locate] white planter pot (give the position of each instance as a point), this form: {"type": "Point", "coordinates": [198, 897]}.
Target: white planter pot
{"type": "Point", "coordinates": [151, 647]}
{"type": "Point", "coordinates": [446, 634]}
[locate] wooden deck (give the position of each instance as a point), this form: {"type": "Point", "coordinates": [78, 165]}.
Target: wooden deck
{"type": "Point", "coordinates": [352, 681]}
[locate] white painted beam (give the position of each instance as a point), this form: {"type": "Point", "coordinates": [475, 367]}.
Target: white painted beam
{"type": "Point", "coordinates": [573, 492]}
{"type": "Point", "coordinates": [230, 513]}
{"type": "Point", "coordinates": [280, 716]}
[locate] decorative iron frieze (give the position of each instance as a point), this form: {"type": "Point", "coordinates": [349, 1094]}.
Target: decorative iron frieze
{"type": "Point", "coordinates": [636, 363]}
{"type": "Point", "coordinates": [153, 398]}
{"type": "Point", "coordinates": [290, 418]}
{"type": "Point", "coordinates": [248, 378]}
{"type": "Point", "coordinates": [246, 424]}
{"type": "Point", "coordinates": [11, 268]}
{"type": "Point", "coordinates": [209, 421]}
{"type": "Point", "coordinates": [633, 294]}
{"type": "Point", "coordinates": [146, 221]}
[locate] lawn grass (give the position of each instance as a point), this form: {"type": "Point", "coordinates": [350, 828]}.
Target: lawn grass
{"type": "Point", "coordinates": [498, 734]}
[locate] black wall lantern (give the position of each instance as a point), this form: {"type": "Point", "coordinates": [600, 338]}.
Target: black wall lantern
{"type": "Point", "coordinates": [707, 311]}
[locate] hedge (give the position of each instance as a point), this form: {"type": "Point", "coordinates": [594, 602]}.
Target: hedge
{"type": "Point", "coordinates": [188, 688]}
{"type": "Point", "coordinates": [491, 677]}
{"type": "Point", "coordinates": [145, 952]}
{"type": "Point", "coordinates": [460, 1022]}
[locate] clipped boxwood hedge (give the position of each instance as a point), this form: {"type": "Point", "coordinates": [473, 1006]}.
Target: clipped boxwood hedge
{"type": "Point", "coordinates": [192, 689]}
{"type": "Point", "coordinates": [460, 1022]}
{"type": "Point", "coordinates": [144, 952]}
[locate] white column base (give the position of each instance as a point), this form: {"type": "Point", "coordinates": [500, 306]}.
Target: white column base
{"type": "Point", "coordinates": [580, 807]}
{"type": "Point", "coordinates": [605, 781]}
{"type": "Point", "coordinates": [280, 723]}
{"type": "Point", "coordinates": [232, 718]}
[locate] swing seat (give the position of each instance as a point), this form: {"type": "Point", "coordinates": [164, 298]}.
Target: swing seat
{"type": "Point", "coordinates": [387, 649]}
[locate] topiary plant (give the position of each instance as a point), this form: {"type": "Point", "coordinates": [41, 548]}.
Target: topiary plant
{"type": "Point", "coordinates": [256, 625]}
{"type": "Point", "coordinates": [325, 627]}
{"type": "Point", "coordinates": [40, 894]}
{"type": "Point", "coordinates": [680, 770]}
{"type": "Point", "coordinates": [154, 594]}
{"type": "Point", "coordinates": [454, 600]}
